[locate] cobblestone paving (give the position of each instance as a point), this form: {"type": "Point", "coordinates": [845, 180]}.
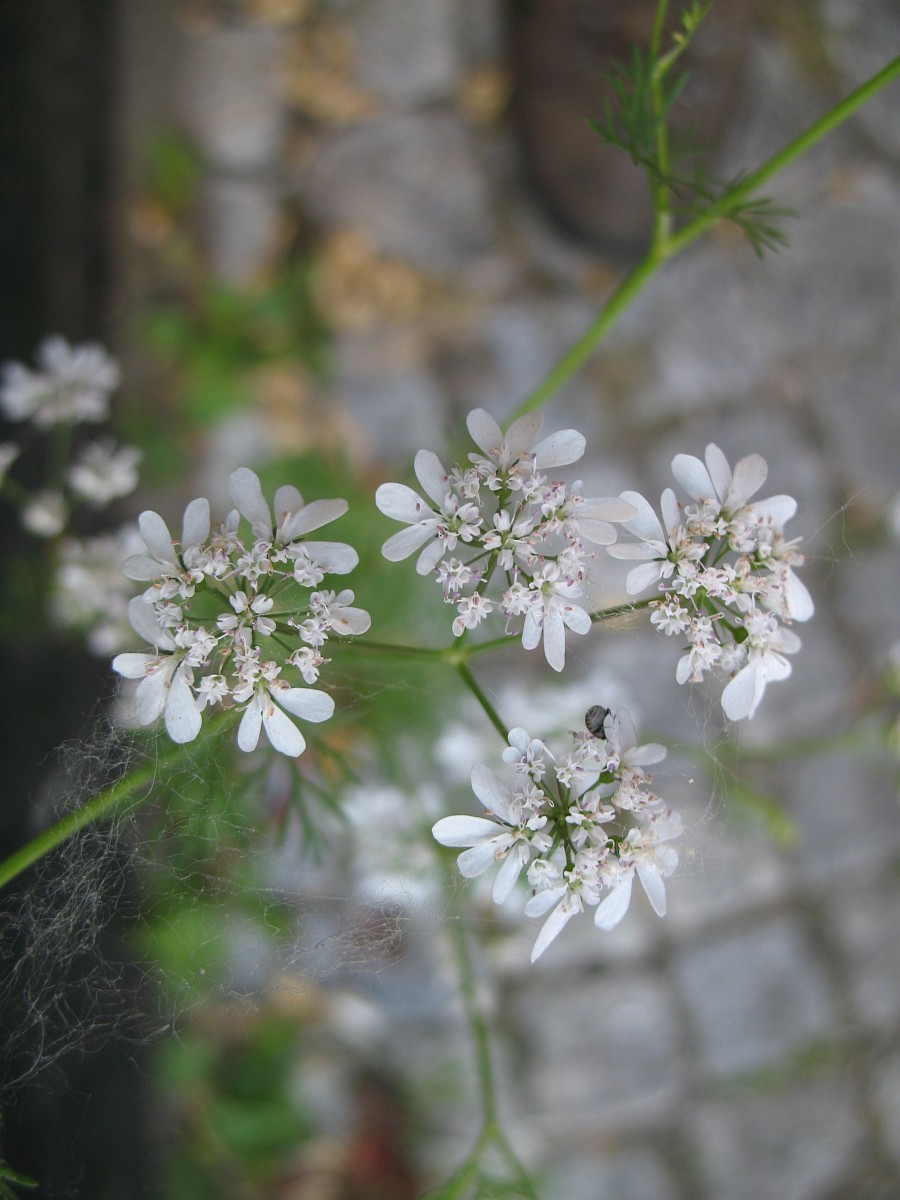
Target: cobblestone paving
{"type": "Point", "coordinates": [748, 1046]}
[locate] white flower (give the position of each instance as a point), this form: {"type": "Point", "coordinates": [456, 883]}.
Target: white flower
{"type": "Point", "coordinates": [73, 385]}
{"type": "Point", "coordinates": [103, 472]}
{"type": "Point", "coordinates": [263, 712]}
{"type": "Point", "coordinates": [505, 840]}
{"type": "Point", "coordinates": [448, 523]}
{"type": "Point", "coordinates": [9, 452]}
{"type": "Point", "coordinates": [45, 514]}
{"type": "Point", "coordinates": [714, 484]}
{"type": "Point", "coordinates": [166, 679]}
{"type": "Point", "coordinates": [506, 452]}
{"type": "Point", "coordinates": [293, 519]}
{"type": "Point", "coordinates": [766, 664]}
{"type": "Point", "coordinates": [656, 544]}
{"type": "Point", "coordinates": [641, 851]}
{"type": "Point", "coordinates": [551, 613]}
{"type": "Point", "coordinates": [179, 572]}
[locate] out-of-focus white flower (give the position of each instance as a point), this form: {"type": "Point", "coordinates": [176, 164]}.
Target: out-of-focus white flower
{"type": "Point", "coordinates": [73, 384]}
{"type": "Point", "coordinates": [45, 514]}
{"type": "Point", "coordinates": [103, 472]}
{"type": "Point", "coordinates": [9, 452]}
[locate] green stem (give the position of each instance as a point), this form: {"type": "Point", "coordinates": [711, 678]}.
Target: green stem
{"type": "Point", "coordinates": [660, 252]}
{"type": "Point", "coordinates": [662, 217]}
{"type": "Point", "coordinates": [475, 688]}
{"type": "Point", "coordinates": [100, 808]}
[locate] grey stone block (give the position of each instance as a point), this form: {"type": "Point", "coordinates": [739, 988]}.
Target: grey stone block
{"type": "Point", "coordinates": [240, 227]}
{"type": "Point", "coordinates": [406, 49]}
{"type": "Point", "coordinates": [846, 812]}
{"type": "Point", "coordinates": [232, 103]}
{"type": "Point", "coordinates": [411, 184]}
{"type": "Point", "coordinates": [619, 1175]}
{"type": "Point", "coordinates": [600, 1054]}
{"type": "Point", "coordinates": [754, 997]}
{"type": "Point", "coordinates": [789, 1145]}
{"type": "Point", "coordinates": [867, 925]}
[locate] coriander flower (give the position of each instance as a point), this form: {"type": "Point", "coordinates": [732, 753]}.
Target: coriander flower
{"type": "Point", "coordinates": [583, 825]}
{"type": "Point", "coordinates": [724, 574]}
{"type": "Point", "coordinates": [73, 384]}
{"type": "Point", "coordinates": [228, 614]}
{"type": "Point", "coordinates": [103, 472]}
{"type": "Point", "coordinates": [501, 537]}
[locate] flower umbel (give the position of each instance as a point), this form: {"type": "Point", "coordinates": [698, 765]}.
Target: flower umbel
{"type": "Point", "coordinates": [725, 571]}
{"type": "Point", "coordinates": [232, 617]}
{"type": "Point", "coordinates": [501, 524]}
{"type": "Point", "coordinates": [581, 826]}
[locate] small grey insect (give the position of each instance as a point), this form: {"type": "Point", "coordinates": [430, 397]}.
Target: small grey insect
{"type": "Point", "coordinates": [594, 718]}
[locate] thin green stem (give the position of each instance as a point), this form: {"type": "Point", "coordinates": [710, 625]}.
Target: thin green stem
{"type": "Point", "coordinates": [659, 253]}
{"type": "Point", "coordinates": [662, 217]}
{"type": "Point", "coordinates": [99, 809]}
{"type": "Point", "coordinates": [475, 688]}
{"type": "Point", "coordinates": [96, 810]}
{"type": "Point", "coordinates": [620, 610]}
{"type": "Point", "coordinates": [438, 654]}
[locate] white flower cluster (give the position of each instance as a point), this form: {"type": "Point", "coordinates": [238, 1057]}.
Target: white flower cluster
{"type": "Point", "coordinates": [90, 593]}
{"type": "Point", "coordinates": [726, 573]}
{"type": "Point", "coordinates": [228, 614]}
{"type": "Point", "coordinates": [502, 518]}
{"type": "Point", "coordinates": [582, 825]}
{"type": "Point", "coordinates": [72, 387]}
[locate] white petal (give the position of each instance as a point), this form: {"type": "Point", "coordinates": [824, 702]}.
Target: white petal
{"type": "Point", "coordinates": [429, 558]}
{"type": "Point", "coordinates": [561, 448]}
{"type": "Point", "coordinates": [155, 533]}
{"type": "Point", "coordinates": [183, 719]}
{"type": "Point", "coordinates": [142, 616]}
{"type": "Point", "coordinates": [464, 831]}
{"type": "Point", "coordinates": [693, 477]}
{"type": "Point", "coordinates": [151, 696]}
{"type": "Point", "coordinates": [554, 925]}
{"type": "Point", "coordinates": [606, 508]}
{"type": "Point", "coordinates": [629, 551]}
{"type": "Point", "coordinates": [749, 476]}
{"type": "Point", "coordinates": [640, 578]}
{"type": "Point", "coordinates": [555, 639]}
{"type": "Point", "coordinates": [520, 437]}
{"type": "Point", "coordinates": [671, 513]}
{"type": "Point", "coordinates": [611, 910]}
{"type": "Point", "coordinates": [195, 526]}
{"type": "Point", "coordinates": [652, 883]}
{"type": "Point", "coordinates": [335, 558]}
{"type": "Point", "coordinates": [719, 470]}
{"type": "Point", "coordinates": [287, 500]}
{"type": "Point", "coordinates": [493, 793]}
{"type": "Point", "coordinates": [432, 476]}
{"type": "Point", "coordinates": [477, 859]}
{"type": "Point", "coordinates": [132, 666]}
{"type": "Point", "coordinates": [246, 493]}
{"type": "Point", "coordinates": [577, 619]}
{"type": "Point", "coordinates": [142, 569]}
{"type": "Point", "coordinates": [401, 545]}
{"type": "Point", "coordinates": [742, 695]}
{"type": "Point", "coordinates": [484, 431]}
{"type": "Point", "coordinates": [645, 523]}
{"type": "Point", "coordinates": [250, 726]}
{"type": "Point", "coordinates": [509, 872]}
{"type": "Point", "coordinates": [601, 533]}
{"type": "Point", "coordinates": [349, 622]}
{"type": "Point", "coordinates": [282, 732]}
{"type": "Point", "coordinates": [797, 598]}
{"type": "Point", "coordinates": [531, 631]}
{"type": "Point", "coordinates": [308, 703]}
{"type": "Point", "coordinates": [542, 902]}
{"type": "Point", "coordinates": [777, 509]}
{"type": "Point", "coordinates": [401, 503]}
{"type": "Point", "coordinates": [312, 516]}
